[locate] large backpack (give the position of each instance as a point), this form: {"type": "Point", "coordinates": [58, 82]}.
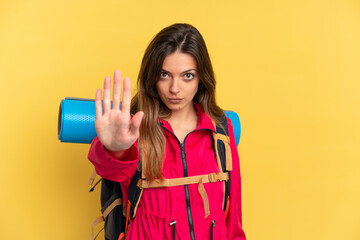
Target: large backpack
{"type": "Point", "coordinates": [116, 214]}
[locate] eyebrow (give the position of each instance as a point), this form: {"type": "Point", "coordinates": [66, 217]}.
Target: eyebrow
{"type": "Point", "coordinates": [189, 70]}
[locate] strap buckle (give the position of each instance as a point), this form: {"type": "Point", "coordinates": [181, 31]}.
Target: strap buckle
{"type": "Point", "coordinates": [139, 184]}
{"type": "Point", "coordinates": [214, 177]}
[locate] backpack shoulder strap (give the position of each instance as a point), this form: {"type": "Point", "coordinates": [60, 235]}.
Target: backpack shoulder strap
{"type": "Point", "coordinates": [135, 193]}
{"type": "Point", "coordinates": [222, 147]}
{"type": "Point", "coordinates": [223, 153]}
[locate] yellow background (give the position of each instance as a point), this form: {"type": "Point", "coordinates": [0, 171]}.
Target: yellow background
{"type": "Point", "coordinates": [290, 69]}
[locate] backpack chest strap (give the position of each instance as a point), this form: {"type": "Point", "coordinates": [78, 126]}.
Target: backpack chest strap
{"type": "Point", "coordinates": [170, 182]}
{"type": "Point", "coordinates": [200, 179]}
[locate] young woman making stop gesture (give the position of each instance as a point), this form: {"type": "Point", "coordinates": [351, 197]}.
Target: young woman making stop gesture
{"type": "Point", "coordinates": [166, 130]}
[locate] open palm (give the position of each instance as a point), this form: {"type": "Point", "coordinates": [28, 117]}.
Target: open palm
{"type": "Point", "coordinates": [114, 126]}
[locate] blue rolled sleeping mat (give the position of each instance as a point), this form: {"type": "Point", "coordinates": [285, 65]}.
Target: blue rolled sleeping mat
{"type": "Point", "coordinates": [76, 122]}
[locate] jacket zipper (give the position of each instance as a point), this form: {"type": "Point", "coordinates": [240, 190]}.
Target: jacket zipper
{"type": "Point", "coordinates": [186, 188]}
{"type": "Point", "coordinates": [187, 195]}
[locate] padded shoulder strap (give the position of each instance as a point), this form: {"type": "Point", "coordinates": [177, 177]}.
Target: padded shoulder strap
{"type": "Point", "coordinates": [135, 192]}
{"type": "Point", "coordinates": [223, 152]}
{"type": "Point", "coordinates": [224, 130]}
{"type": "Point", "coordinates": [222, 146]}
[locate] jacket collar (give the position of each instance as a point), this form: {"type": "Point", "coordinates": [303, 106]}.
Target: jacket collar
{"type": "Point", "coordinates": [203, 120]}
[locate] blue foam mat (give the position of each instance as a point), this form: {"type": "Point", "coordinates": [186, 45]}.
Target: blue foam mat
{"type": "Point", "coordinates": [76, 123]}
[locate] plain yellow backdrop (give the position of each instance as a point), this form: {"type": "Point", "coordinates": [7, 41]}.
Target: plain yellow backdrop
{"type": "Point", "coordinates": [290, 69]}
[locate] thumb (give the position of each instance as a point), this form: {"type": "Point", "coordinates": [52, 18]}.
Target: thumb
{"type": "Point", "coordinates": [135, 123]}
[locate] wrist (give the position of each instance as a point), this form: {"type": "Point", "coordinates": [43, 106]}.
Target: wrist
{"type": "Point", "coordinates": [117, 154]}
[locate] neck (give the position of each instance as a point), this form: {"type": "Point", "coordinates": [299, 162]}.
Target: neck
{"type": "Point", "coordinates": [184, 117]}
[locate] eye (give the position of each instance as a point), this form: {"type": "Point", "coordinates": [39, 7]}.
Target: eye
{"type": "Point", "coordinates": [163, 75]}
{"type": "Point", "coordinates": [189, 76]}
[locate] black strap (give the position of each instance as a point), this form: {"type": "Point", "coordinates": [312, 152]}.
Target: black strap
{"type": "Point", "coordinates": [134, 192]}
{"type": "Point", "coordinates": [223, 129]}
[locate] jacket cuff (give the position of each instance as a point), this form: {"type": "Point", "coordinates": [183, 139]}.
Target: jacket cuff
{"type": "Point", "coordinates": [111, 168]}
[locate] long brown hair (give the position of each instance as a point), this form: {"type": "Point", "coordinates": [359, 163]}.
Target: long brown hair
{"type": "Point", "coordinates": [178, 37]}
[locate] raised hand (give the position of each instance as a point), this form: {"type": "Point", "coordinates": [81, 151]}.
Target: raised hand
{"type": "Point", "coordinates": [115, 128]}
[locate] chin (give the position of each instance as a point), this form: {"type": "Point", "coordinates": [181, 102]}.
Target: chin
{"type": "Point", "coordinates": [175, 108]}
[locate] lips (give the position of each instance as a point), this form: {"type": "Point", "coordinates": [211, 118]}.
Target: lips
{"type": "Point", "coordinates": [175, 100]}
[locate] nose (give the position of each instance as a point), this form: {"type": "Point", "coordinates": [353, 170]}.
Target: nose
{"type": "Point", "coordinates": [174, 86]}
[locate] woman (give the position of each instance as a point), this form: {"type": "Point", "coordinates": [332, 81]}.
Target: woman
{"type": "Point", "coordinates": [175, 108]}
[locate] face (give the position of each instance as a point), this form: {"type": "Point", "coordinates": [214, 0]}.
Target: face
{"type": "Point", "coordinates": [178, 82]}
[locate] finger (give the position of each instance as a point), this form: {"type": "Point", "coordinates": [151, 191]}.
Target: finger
{"type": "Point", "coordinates": [106, 100]}
{"type": "Point", "coordinates": [98, 105]}
{"type": "Point", "coordinates": [135, 123]}
{"type": "Point", "coordinates": [116, 89]}
{"type": "Point", "coordinates": [125, 105]}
